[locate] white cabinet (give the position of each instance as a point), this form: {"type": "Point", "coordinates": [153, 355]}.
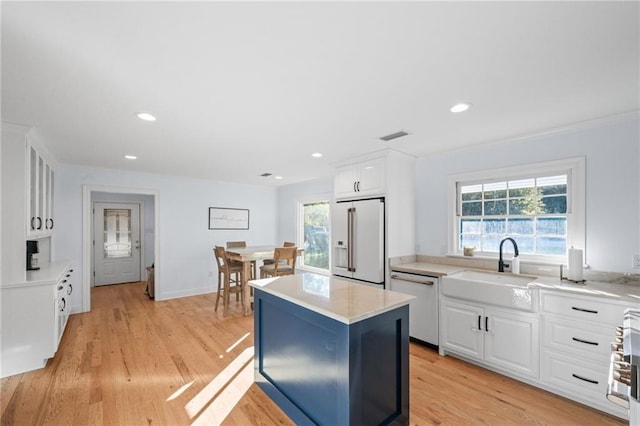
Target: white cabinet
{"type": "Point", "coordinates": [40, 176]}
{"type": "Point", "coordinates": [362, 179]}
{"type": "Point", "coordinates": [577, 332]}
{"type": "Point", "coordinates": [389, 174]}
{"type": "Point", "coordinates": [34, 316]}
{"type": "Point", "coordinates": [504, 339]}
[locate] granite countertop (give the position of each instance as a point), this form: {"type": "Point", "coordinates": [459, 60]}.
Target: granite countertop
{"type": "Point", "coordinates": [339, 299]}
{"type": "Point", "coordinates": [617, 289]}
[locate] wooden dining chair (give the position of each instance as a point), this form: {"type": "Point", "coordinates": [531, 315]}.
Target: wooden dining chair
{"type": "Point", "coordinates": [285, 244]}
{"type": "Point", "coordinates": [242, 244]}
{"type": "Point", "coordinates": [229, 279]}
{"type": "Point", "coordinates": [284, 263]}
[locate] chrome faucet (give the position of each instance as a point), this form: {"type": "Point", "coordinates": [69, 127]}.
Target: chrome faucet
{"type": "Point", "coordinates": [515, 248]}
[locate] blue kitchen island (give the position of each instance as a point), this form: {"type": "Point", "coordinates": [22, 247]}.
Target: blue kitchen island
{"type": "Point", "coordinates": [332, 352]}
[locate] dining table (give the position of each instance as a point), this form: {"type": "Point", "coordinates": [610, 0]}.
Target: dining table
{"type": "Point", "coordinates": [246, 255]}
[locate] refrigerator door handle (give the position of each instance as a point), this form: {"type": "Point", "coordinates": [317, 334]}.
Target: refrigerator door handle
{"type": "Point", "coordinates": [350, 237]}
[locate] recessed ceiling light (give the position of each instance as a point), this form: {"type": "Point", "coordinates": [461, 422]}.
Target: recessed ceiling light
{"type": "Point", "coordinates": [146, 116]}
{"type": "Point", "coordinates": [460, 107]}
{"type": "Point", "coordinates": [316, 154]}
{"type": "Point", "coordinates": [130, 157]}
{"type": "Point", "coordinates": [278, 177]}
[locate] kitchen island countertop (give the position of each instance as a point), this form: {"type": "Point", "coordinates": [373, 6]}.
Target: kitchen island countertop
{"type": "Point", "coordinates": [342, 300]}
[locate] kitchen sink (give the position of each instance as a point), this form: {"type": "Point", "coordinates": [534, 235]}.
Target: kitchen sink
{"type": "Point", "coordinates": [499, 289]}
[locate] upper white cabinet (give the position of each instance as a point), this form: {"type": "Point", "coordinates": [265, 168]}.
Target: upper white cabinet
{"type": "Point", "coordinates": [389, 174]}
{"type": "Point", "coordinates": [27, 199]}
{"type": "Point", "coordinates": [40, 177]}
{"type": "Point", "coordinates": [363, 179]}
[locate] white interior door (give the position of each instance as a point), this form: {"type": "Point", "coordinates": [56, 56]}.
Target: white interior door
{"type": "Point", "coordinates": [116, 232]}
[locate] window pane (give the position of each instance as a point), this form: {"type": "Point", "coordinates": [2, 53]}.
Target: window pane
{"type": "Point", "coordinates": [521, 226]}
{"type": "Point", "coordinates": [470, 226]}
{"type": "Point", "coordinates": [551, 245]}
{"type": "Point", "coordinates": [469, 240]}
{"type": "Point", "coordinates": [492, 195]}
{"type": "Point", "coordinates": [471, 196]}
{"type": "Point", "coordinates": [552, 226]}
{"type": "Point", "coordinates": [117, 233]}
{"type": "Point", "coordinates": [557, 204]}
{"type": "Point", "coordinates": [491, 242]}
{"type": "Point", "coordinates": [472, 209]}
{"type": "Point", "coordinates": [494, 226]}
{"type": "Point", "coordinates": [316, 235]}
{"type": "Point", "coordinates": [495, 207]}
{"type": "Point", "coordinates": [525, 245]}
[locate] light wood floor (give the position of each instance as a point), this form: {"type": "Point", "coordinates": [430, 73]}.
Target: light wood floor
{"type": "Point", "coordinates": [132, 361]}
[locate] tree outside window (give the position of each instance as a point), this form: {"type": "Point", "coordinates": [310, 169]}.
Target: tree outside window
{"type": "Point", "coordinates": [315, 233]}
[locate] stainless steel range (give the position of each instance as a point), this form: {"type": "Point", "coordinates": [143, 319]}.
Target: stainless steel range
{"type": "Point", "coordinates": [624, 382]}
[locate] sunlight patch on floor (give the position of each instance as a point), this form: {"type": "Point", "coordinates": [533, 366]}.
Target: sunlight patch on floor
{"type": "Point", "coordinates": [179, 391]}
{"type": "Point", "coordinates": [213, 403]}
{"type": "Point", "coordinates": [238, 342]}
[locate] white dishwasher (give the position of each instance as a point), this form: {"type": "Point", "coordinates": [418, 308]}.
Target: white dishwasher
{"type": "Point", "coordinates": [423, 310]}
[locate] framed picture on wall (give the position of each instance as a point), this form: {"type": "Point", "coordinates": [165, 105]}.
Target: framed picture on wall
{"type": "Point", "coordinates": [228, 218]}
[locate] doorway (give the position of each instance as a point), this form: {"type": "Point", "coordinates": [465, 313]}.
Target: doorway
{"type": "Point", "coordinates": [116, 243]}
{"type": "Point", "coordinates": [149, 217]}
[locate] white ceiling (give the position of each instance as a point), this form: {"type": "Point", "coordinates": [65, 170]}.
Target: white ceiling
{"type": "Point", "coordinates": [245, 88]}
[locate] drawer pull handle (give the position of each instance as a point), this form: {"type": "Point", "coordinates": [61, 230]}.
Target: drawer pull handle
{"type": "Point", "coordinates": [575, 339]}
{"type": "Point", "coordinates": [411, 280]}
{"type": "Point", "coordinates": [595, 382]}
{"type": "Point", "coordinates": [589, 311]}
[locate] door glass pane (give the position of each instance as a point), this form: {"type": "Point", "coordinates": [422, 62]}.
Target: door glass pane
{"type": "Point", "coordinates": [117, 233]}
{"type": "Point", "coordinates": [316, 235]}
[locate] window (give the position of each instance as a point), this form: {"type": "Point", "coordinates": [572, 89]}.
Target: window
{"type": "Point", "coordinates": [540, 206]}
{"type": "Point", "coordinates": [313, 234]}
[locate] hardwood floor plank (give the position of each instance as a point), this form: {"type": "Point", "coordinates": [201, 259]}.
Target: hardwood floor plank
{"type": "Point", "coordinates": [133, 361]}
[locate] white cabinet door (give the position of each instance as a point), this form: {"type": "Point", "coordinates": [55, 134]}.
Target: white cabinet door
{"type": "Point", "coordinates": [511, 342]}
{"type": "Point", "coordinates": [345, 182]}
{"type": "Point", "coordinates": [371, 177]}
{"type": "Point", "coordinates": [461, 331]}
{"type": "Point", "coordinates": [40, 187]}
{"type": "Point", "coordinates": [362, 179]}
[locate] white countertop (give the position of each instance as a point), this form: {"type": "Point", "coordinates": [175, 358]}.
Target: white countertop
{"type": "Point", "coordinates": [613, 291]}
{"type": "Point", "coordinates": [430, 269]}
{"type": "Point", "coordinates": [342, 300]}
{"type": "Point", "coordinates": [48, 272]}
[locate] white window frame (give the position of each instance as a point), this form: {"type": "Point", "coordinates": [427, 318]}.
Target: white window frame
{"type": "Point", "coordinates": [574, 168]}
{"type": "Point", "coordinates": [300, 231]}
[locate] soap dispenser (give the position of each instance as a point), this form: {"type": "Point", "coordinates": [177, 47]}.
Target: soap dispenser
{"type": "Point", "coordinates": [515, 265]}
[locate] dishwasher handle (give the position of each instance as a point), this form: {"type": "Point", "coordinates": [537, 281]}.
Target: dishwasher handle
{"type": "Point", "coordinates": [411, 280]}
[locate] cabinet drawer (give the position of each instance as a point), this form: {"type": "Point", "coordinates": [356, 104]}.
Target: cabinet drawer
{"type": "Point", "coordinates": [583, 339]}
{"type": "Point", "coordinates": [585, 380]}
{"type": "Point", "coordinates": [583, 309]}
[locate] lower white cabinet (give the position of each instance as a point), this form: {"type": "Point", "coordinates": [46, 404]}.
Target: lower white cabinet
{"type": "Point", "coordinates": [577, 332]}
{"type": "Point", "coordinates": [34, 316]}
{"type": "Point", "coordinates": [507, 340]}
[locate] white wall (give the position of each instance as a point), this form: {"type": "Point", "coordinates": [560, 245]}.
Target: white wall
{"type": "Point", "coordinates": [611, 148]}
{"type": "Point", "coordinates": [184, 260]}
{"type": "Point", "coordinates": [288, 197]}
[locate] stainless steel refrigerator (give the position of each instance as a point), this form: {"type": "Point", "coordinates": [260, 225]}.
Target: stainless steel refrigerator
{"type": "Point", "coordinates": [358, 242]}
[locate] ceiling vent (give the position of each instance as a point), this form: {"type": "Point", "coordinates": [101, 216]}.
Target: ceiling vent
{"type": "Point", "coordinates": [265, 174]}
{"type": "Point", "coordinates": [395, 135]}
